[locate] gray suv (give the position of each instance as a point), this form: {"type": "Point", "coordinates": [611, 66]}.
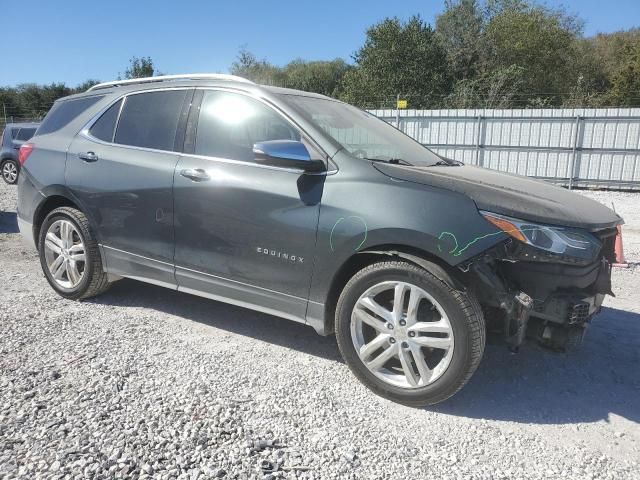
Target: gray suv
{"type": "Point", "coordinates": [13, 137]}
{"type": "Point", "coordinates": [307, 208]}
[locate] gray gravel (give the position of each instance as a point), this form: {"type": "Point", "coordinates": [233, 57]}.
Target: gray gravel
{"type": "Point", "coordinates": [144, 382]}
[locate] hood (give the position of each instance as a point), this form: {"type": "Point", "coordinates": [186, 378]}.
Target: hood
{"type": "Point", "coordinates": [511, 195]}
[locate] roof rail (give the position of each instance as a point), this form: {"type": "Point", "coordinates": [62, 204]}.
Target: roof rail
{"type": "Point", "coordinates": [168, 78]}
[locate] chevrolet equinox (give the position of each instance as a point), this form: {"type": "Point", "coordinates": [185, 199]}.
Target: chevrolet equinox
{"type": "Point", "coordinates": [304, 207]}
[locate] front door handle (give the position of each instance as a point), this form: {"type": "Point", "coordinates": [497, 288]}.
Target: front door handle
{"type": "Point", "coordinates": [88, 157]}
{"type": "Point", "coordinates": [195, 174]}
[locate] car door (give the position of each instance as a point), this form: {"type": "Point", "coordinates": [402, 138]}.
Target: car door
{"type": "Point", "coordinates": [245, 232]}
{"type": "Point", "coordinates": [121, 170]}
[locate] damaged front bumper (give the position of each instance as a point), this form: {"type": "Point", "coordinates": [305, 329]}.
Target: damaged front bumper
{"type": "Point", "coordinates": [551, 302]}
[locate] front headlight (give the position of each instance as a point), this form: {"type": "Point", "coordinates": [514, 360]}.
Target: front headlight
{"type": "Point", "coordinates": [564, 241]}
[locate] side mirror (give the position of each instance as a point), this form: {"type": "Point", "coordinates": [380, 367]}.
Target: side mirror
{"type": "Point", "coordinates": [287, 154]}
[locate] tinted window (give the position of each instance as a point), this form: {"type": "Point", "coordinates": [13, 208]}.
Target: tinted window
{"type": "Point", "coordinates": [62, 113]}
{"type": "Point", "coordinates": [150, 120]}
{"type": "Point", "coordinates": [104, 127]}
{"type": "Point", "coordinates": [229, 125]}
{"type": "Point", "coordinates": [25, 134]}
{"type": "Point", "coordinates": [14, 132]}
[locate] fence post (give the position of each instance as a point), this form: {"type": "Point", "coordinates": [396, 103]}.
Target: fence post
{"type": "Point", "coordinates": [574, 150]}
{"type": "Point", "coordinates": [397, 112]}
{"type": "Point", "coordinates": [480, 136]}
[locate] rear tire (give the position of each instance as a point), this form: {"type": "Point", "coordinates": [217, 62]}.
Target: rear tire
{"type": "Point", "coordinates": [69, 255]}
{"type": "Point", "coordinates": [434, 340]}
{"type": "Point", "coordinates": [9, 170]}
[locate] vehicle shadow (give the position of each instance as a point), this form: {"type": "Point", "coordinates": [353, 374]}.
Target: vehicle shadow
{"type": "Point", "coordinates": [540, 386]}
{"type": "Point", "coordinates": [8, 222]}
{"type": "Point", "coordinates": [241, 321]}
{"type": "Point", "coordinates": [533, 386]}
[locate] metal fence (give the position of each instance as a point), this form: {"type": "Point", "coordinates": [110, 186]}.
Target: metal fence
{"type": "Point", "coordinates": [572, 147]}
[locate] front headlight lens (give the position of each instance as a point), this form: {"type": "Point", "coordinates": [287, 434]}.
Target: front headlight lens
{"type": "Point", "coordinates": [560, 240]}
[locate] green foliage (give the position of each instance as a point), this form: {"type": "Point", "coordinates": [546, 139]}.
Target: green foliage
{"type": "Point", "coordinates": [259, 71]}
{"type": "Point", "coordinates": [139, 67]}
{"type": "Point", "coordinates": [399, 58]}
{"type": "Point", "coordinates": [31, 101]}
{"type": "Point", "coordinates": [323, 77]}
{"type": "Point", "coordinates": [625, 88]}
{"type": "Point", "coordinates": [499, 88]}
{"type": "Point", "coordinates": [459, 30]}
{"type": "Point", "coordinates": [540, 41]}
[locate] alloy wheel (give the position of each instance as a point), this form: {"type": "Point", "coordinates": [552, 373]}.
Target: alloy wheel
{"type": "Point", "coordinates": [9, 172]}
{"type": "Point", "coordinates": [402, 334]}
{"type": "Point", "coordinates": [65, 254]}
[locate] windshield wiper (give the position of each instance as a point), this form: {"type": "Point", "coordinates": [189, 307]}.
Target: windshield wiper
{"type": "Point", "coordinates": [447, 163]}
{"type": "Point", "coordinates": [394, 161]}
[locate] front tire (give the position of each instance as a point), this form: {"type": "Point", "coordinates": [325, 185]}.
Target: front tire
{"type": "Point", "coordinates": [9, 170]}
{"type": "Point", "coordinates": [69, 255]}
{"type": "Point", "coordinates": [407, 335]}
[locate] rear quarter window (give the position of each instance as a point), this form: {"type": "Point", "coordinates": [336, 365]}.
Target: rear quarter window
{"type": "Point", "coordinates": [105, 126]}
{"type": "Point", "coordinates": [25, 133]}
{"type": "Point", "coordinates": [62, 113]}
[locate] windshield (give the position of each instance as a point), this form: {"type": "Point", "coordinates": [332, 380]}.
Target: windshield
{"type": "Point", "coordinates": [361, 134]}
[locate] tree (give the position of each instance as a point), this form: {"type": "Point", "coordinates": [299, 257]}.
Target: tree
{"type": "Point", "coordinates": [459, 29]}
{"type": "Point", "coordinates": [139, 68]}
{"type": "Point", "coordinates": [323, 77]}
{"type": "Point", "coordinates": [86, 85]}
{"type": "Point", "coordinates": [539, 40]}
{"type": "Point", "coordinates": [248, 66]}
{"type": "Point", "coordinates": [625, 88]}
{"type": "Point", "coordinates": [499, 88]}
{"type": "Point", "coordinates": [399, 58]}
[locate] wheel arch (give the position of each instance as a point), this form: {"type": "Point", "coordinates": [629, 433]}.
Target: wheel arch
{"type": "Point", "coordinates": [56, 196]}
{"type": "Point", "coordinates": [372, 254]}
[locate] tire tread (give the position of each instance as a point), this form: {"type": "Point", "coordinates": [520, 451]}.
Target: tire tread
{"type": "Point", "coordinates": [471, 310]}
{"type": "Point", "coordinates": [99, 281]}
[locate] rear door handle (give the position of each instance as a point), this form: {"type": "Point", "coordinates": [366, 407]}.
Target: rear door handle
{"type": "Point", "coordinates": [195, 174]}
{"type": "Point", "coordinates": [88, 157]}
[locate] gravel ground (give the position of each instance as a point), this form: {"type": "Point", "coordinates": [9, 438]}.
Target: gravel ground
{"type": "Point", "coordinates": [145, 382]}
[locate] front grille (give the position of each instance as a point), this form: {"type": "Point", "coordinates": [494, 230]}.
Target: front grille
{"type": "Point", "coordinates": [579, 313]}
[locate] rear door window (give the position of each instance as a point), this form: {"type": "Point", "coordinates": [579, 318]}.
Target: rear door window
{"type": "Point", "coordinates": [230, 123]}
{"type": "Point", "coordinates": [150, 120]}
{"type": "Point", "coordinates": [25, 134]}
{"type": "Point", "coordinates": [105, 126]}
{"type": "Point", "coordinates": [63, 112]}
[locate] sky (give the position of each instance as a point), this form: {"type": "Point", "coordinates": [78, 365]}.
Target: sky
{"type": "Point", "coordinates": [71, 41]}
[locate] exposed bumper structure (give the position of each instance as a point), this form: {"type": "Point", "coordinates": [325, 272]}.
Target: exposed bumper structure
{"type": "Point", "coordinates": [551, 302]}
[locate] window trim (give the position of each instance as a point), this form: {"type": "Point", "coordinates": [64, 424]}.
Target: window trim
{"type": "Point", "coordinates": [178, 125]}
{"type": "Point", "coordinates": [84, 132]}
{"type": "Point", "coordinates": [330, 166]}
{"type": "Point", "coordinates": [99, 115]}
{"type": "Point", "coordinates": [193, 127]}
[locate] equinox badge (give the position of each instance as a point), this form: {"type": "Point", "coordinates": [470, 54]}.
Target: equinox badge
{"type": "Point", "coordinates": [282, 255]}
